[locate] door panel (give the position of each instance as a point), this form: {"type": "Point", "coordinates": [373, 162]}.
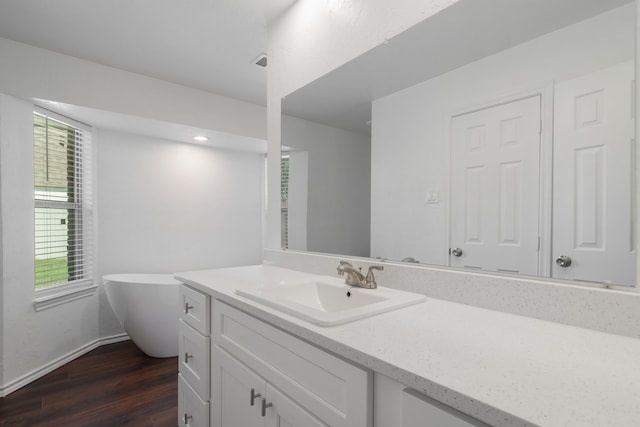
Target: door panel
{"type": "Point", "coordinates": [231, 393]}
{"type": "Point", "coordinates": [286, 413]}
{"type": "Point", "coordinates": [495, 185]}
{"type": "Point", "coordinates": [593, 166]}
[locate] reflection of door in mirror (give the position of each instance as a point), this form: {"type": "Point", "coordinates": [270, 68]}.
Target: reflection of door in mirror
{"type": "Point", "coordinates": [593, 191]}
{"type": "Point", "coordinates": [495, 183]}
{"type": "Point", "coordinates": [495, 175]}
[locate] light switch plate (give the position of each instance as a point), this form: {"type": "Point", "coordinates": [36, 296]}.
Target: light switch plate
{"type": "Point", "coordinates": [433, 197]}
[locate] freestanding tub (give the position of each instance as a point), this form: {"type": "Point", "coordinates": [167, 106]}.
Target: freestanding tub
{"type": "Point", "coordinates": [148, 309]}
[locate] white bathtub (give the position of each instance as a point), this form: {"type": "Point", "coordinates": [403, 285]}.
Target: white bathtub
{"type": "Point", "coordinates": [147, 307]}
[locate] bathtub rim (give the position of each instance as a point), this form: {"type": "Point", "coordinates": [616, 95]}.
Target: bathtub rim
{"type": "Point", "coordinates": [141, 278]}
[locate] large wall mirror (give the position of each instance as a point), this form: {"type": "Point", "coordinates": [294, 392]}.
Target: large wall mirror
{"type": "Point", "coordinates": [497, 135]}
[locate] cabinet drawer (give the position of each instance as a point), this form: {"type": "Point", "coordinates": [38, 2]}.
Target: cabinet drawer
{"type": "Point", "coordinates": [193, 358]}
{"type": "Point", "coordinates": [194, 309]}
{"type": "Point", "coordinates": [192, 411]}
{"type": "Point", "coordinates": [337, 392]}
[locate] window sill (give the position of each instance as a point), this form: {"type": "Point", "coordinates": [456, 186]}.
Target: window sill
{"type": "Point", "coordinates": [63, 294]}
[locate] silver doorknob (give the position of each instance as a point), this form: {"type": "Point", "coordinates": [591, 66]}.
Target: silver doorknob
{"type": "Point", "coordinates": [456, 252]}
{"type": "Point", "coordinates": [563, 261]}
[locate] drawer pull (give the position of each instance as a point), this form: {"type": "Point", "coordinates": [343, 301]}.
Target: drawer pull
{"type": "Point", "coordinates": [265, 405]}
{"type": "Point", "coordinates": [187, 307]}
{"type": "Point", "coordinates": [186, 418]}
{"type": "Point", "coordinates": [187, 356]}
{"type": "Point", "coordinates": [254, 396]}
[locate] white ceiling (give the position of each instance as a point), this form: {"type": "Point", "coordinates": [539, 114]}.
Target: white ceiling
{"type": "Point", "coordinates": [203, 44]}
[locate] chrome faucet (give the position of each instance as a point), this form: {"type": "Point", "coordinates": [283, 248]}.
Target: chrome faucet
{"type": "Point", "coordinates": [355, 276]}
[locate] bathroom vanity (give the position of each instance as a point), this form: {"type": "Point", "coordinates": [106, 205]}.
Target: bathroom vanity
{"type": "Point", "coordinates": [259, 373]}
{"type": "Point", "coordinates": [243, 363]}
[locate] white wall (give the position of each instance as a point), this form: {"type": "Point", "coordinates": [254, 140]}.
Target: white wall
{"type": "Point", "coordinates": [31, 340]}
{"type": "Point", "coordinates": [409, 142]}
{"type": "Point", "coordinates": [1, 258]}
{"type": "Point", "coordinates": [165, 206]}
{"type": "Point", "coordinates": [339, 187]}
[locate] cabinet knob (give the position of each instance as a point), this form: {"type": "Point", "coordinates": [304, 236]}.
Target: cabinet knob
{"type": "Point", "coordinates": [186, 418]}
{"type": "Point", "coordinates": [265, 405]}
{"type": "Point", "coordinates": [254, 396]}
{"type": "Point", "coordinates": [187, 356]}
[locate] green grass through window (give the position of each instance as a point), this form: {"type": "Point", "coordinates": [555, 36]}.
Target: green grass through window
{"type": "Point", "coordinates": [51, 271]}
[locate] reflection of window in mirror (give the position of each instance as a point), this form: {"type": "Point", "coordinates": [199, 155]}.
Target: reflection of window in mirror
{"type": "Point", "coordinates": [294, 169]}
{"type": "Point", "coordinates": [284, 201]}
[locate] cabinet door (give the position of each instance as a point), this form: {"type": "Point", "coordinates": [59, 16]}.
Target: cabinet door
{"type": "Point", "coordinates": [233, 386]}
{"type": "Point", "coordinates": [284, 412]}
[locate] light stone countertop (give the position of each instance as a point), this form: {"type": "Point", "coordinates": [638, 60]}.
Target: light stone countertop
{"type": "Point", "coordinates": [503, 369]}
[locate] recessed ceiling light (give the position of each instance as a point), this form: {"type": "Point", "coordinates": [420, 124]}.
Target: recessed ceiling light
{"type": "Point", "coordinates": [201, 138]}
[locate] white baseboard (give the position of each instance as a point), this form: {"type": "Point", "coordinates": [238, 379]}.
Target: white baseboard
{"type": "Point", "coordinates": [55, 364]}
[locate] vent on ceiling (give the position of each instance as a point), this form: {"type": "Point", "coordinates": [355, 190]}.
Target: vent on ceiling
{"type": "Point", "coordinates": [260, 60]}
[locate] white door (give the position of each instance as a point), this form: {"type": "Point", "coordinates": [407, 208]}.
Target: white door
{"type": "Point", "coordinates": [235, 387]}
{"type": "Point", "coordinates": [284, 412]}
{"type": "Point", "coordinates": [495, 175]}
{"type": "Point", "coordinates": [593, 163]}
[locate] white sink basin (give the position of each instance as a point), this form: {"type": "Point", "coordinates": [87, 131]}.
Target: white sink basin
{"type": "Point", "coordinates": [328, 302]}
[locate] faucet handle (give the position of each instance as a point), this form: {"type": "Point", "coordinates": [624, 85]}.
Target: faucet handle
{"type": "Point", "coordinates": [371, 279]}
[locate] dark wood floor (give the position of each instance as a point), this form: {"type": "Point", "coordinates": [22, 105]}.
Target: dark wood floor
{"type": "Point", "coordinates": [112, 386]}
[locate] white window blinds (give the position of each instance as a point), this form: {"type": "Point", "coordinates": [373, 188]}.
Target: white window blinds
{"type": "Point", "coordinates": [63, 200]}
{"type": "Point", "coordinates": [284, 201]}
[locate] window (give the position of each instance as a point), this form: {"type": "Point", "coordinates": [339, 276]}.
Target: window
{"type": "Point", "coordinates": [284, 201]}
{"type": "Point", "coordinates": [63, 200]}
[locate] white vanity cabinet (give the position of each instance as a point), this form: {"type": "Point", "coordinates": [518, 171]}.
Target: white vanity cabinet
{"type": "Point", "coordinates": [290, 382]}
{"type": "Point", "coordinates": [194, 358]}
{"type": "Point", "coordinates": [243, 398]}
{"type": "Point", "coordinates": [236, 370]}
